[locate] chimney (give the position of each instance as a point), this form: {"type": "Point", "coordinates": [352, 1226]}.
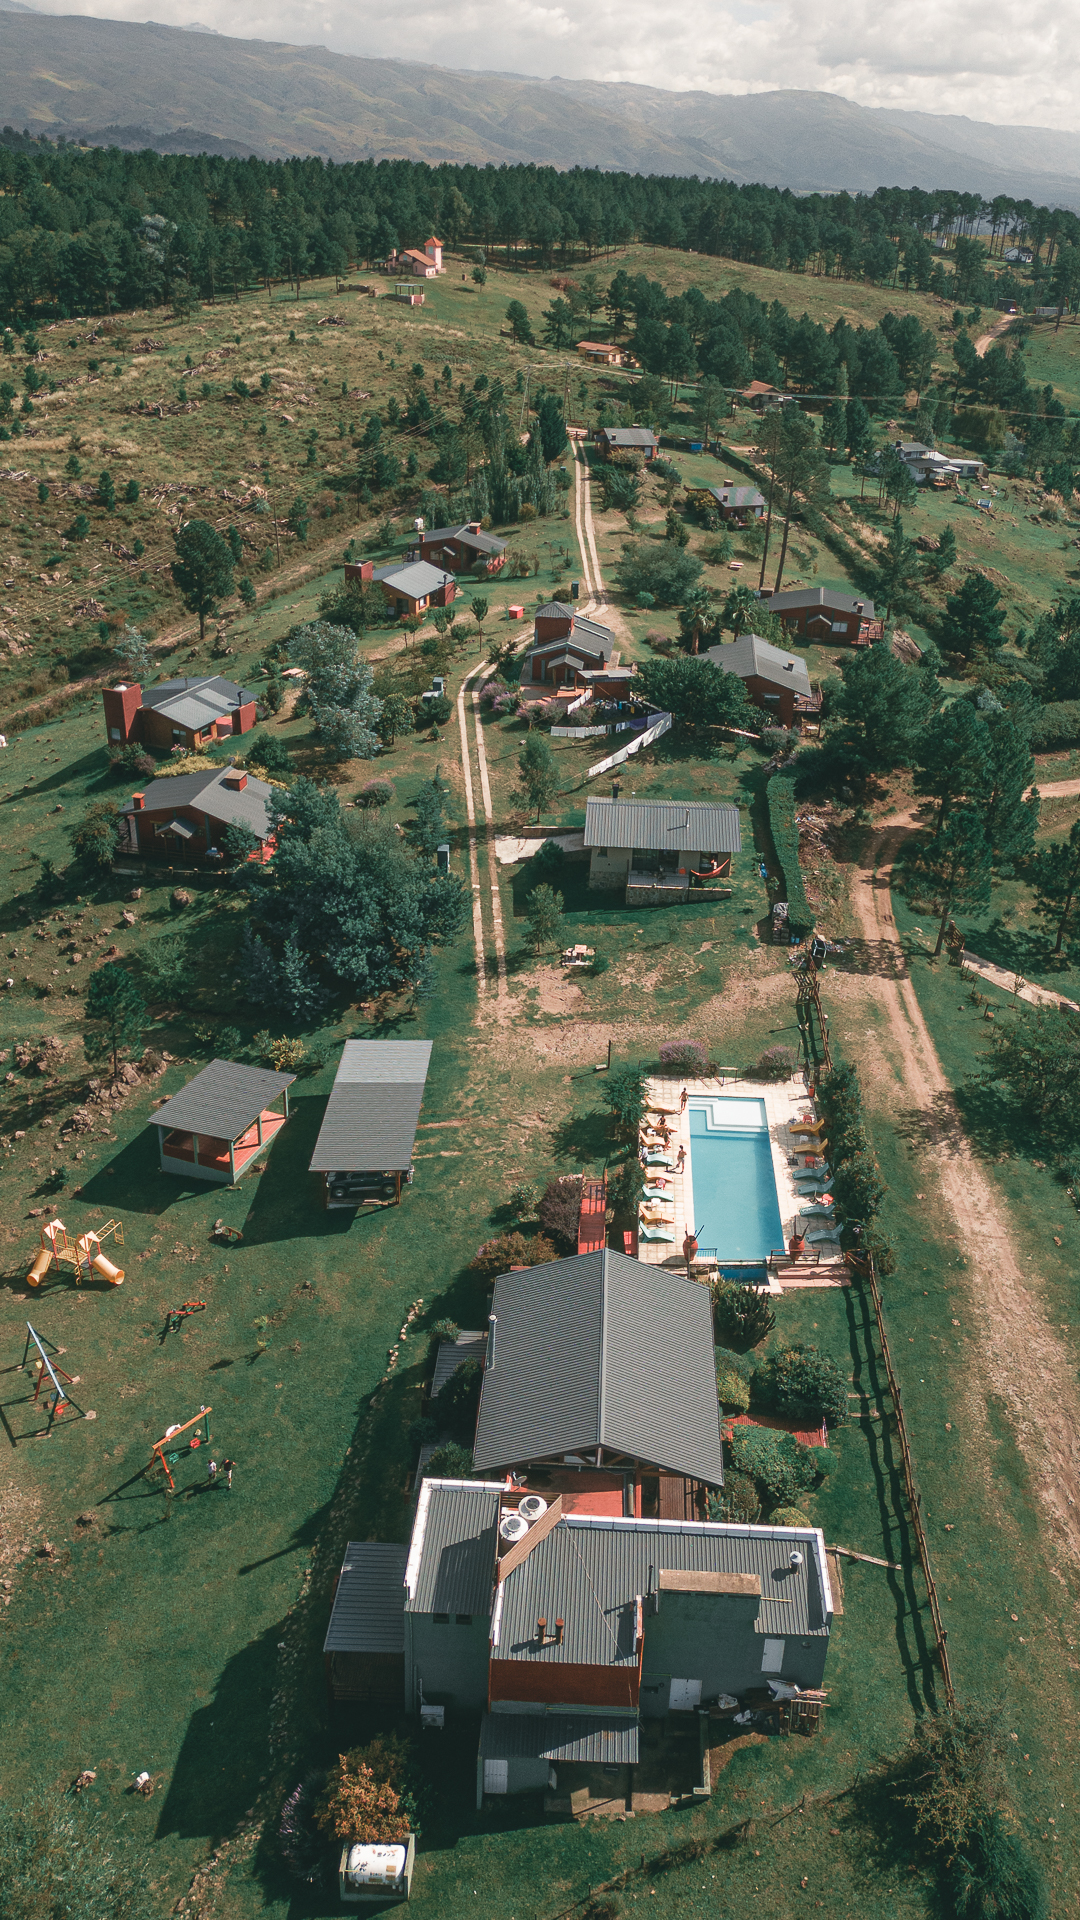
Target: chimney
{"type": "Point", "coordinates": [541, 1630]}
{"type": "Point", "coordinates": [560, 1627]}
{"type": "Point", "coordinates": [235, 780]}
{"type": "Point", "coordinates": [489, 1360]}
{"type": "Point", "coordinates": [859, 604]}
{"type": "Point", "coordinates": [138, 801]}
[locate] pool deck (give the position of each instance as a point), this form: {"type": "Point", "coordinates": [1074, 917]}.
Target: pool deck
{"type": "Point", "coordinates": [785, 1101]}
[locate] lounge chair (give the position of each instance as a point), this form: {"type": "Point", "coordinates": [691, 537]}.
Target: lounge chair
{"type": "Point", "coordinates": [807, 1126]}
{"type": "Point", "coordinates": [660, 1195]}
{"type": "Point", "coordinates": [819, 1239]}
{"type": "Point", "coordinates": [654, 1233]}
{"type": "Point", "coordinates": [659, 1160]}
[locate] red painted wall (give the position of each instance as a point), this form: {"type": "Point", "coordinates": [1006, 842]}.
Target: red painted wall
{"type": "Point", "coordinates": [122, 709]}
{"type": "Point", "coordinates": [558, 1682]}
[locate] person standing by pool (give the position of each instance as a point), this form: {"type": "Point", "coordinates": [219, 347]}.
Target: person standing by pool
{"type": "Point", "coordinates": [683, 1098]}
{"type": "Point", "coordinates": [680, 1160]}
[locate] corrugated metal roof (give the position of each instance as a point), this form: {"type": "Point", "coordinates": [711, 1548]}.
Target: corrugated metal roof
{"type": "Point", "coordinates": [452, 1354]}
{"type": "Point", "coordinates": [611, 1738]}
{"type": "Point", "coordinates": [368, 1614]}
{"type": "Point", "coordinates": [629, 436]}
{"type": "Point", "coordinates": [824, 597]}
{"type": "Point", "coordinates": [483, 542]}
{"type": "Point", "coordinates": [370, 1121]}
{"type": "Point", "coordinates": [194, 710]}
{"type": "Point", "coordinates": [737, 496]}
{"type": "Point", "coordinates": [416, 580]}
{"type": "Point", "coordinates": [675, 826]}
{"type": "Point", "coordinates": [588, 1572]}
{"type": "Point", "coordinates": [213, 686]}
{"type": "Point", "coordinates": [751, 655]}
{"type": "Point", "coordinates": [227, 806]}
{"type": "Point", "coordinates": [555, 609]}
{"type": "Point", "coordinates": [599, 1350]}
{"type": "Point", "coordinates": [452, 1556]}
{"type": "Point", "coordinates": [223, 1099]}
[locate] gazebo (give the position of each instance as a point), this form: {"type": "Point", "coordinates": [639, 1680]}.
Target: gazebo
{"type": "Point", "coordinates": [217, 1126]}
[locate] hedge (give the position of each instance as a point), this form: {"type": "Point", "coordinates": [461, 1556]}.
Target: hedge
{"type": "Point", "coordinates": [780, 794]}
{"type": "Point", "coordinates": [1056, 726]}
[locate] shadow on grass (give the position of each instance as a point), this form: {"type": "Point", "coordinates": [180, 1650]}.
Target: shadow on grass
{"type": "Point", "coordinates": [976, 1116]}
{"type": "Point", "coordinates": [1019, 951]}
{"type": "Point", "coordinates": [582, 1138]}
{"type": "Point", "coordinates": [273, 1210]}
{"type": "Point", "coordinates": [134, 1180]}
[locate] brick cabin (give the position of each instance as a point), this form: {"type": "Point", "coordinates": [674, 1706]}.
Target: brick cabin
{"type": "Point", "coordinates": [461, 547]}
{"type": "Point", "coordinates": [565, 644]}
{"type": "Point", "coordinates": [185, 814]}
{"type": "Point", "coordinates": [411, 588]}
{"type": "Point", "coordinates": [178, 713]}
{"type": "Point", "coordinates": [821, 614]}
{"type": "Point", "coordinates": [775, 681]}
{"type": "Point", "coordinates": [612, 440]}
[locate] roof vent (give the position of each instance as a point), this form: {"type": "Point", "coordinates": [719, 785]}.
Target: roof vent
{"type": "Point", "coordinates": [512, 1527]}
{"type": "Point", "coordinates": [489, 1358]}
{"type": "Point", "coordinates": [532, 1507]}
{"type": "Point", "coordinates": [794, 1559]}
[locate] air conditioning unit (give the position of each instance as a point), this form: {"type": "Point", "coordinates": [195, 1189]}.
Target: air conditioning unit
{"type": "Point", "coordinates": [532, 1507]}
{"type": "Point", "coordinates": [432, 1719]}
{"type": "Point", "coordinates": [513, 1526]}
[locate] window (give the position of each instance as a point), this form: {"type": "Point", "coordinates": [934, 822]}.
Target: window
{"type": "Point", "coordinates": [496, 1773]}
{"type": "Point", "coordinates": [839, 626]}
{"type": "Point", "coordinates": [463, 1619]}
{"type": "Point", "coordinates": [772, 1656]}
{"type": "Point", "coordinates": [441, 1619]}
{"type": "Point", "coordinates": [114, 733]}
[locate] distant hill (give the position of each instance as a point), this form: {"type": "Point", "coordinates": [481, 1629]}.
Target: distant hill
{"type": "Point", "coordinates": [185, 91]}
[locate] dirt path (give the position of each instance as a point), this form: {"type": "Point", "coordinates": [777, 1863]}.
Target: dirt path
{"type": "Point", "coordinates": [470, 813]}
{"type": "Point", "coordinates": [1018, 1355]}
{"type": "Point", "coordinates": [1056, 789]}
{"type": "Point", "coordinates": [986, 340]}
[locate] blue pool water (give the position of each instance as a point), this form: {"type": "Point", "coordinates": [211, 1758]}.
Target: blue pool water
{"type": "Point", "coordinates": [734, 1185]}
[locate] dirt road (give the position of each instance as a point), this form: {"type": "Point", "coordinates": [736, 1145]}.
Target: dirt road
{"type": "Point", "coordinates": [1019, 1356]}
{"type": "Point", "coordinates": [986, 340]}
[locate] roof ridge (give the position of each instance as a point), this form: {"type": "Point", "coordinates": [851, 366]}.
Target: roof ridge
{"type": "Point", "coordinates": [601, 1388]}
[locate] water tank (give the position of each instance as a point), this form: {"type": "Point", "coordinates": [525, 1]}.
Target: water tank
{"type": "Point", "coordinates": [532, 1506]}
{"type": "Point", "coordinates": [513, 1526]}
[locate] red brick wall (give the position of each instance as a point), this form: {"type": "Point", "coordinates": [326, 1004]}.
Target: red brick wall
{"type": "Point", "coordinates": [122, 709]}
{"type": "Point", "coordinates": [563, 1683]}
{"type": "Point", "coordinates": [783, 709]}
{"type": "Point", "coordinates": [243, 718]}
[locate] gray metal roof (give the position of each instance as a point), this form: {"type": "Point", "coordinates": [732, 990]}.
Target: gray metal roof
{"type": "Point", "coordinates": [246, 806]}
{"type": "Point", "coordinates": [737, 496]}
{"type": "Point", "coordinates": [554, 610]}
{"type": "Point", "coordinates": [629, 436]}
{"type": "Point", "coordinates": [612, 1738]}
{"type": "Point", "coordinates": [220, 696]}
{"type": "Point", "coordinates": [483, 542]}
{"type": "Point", "coordinates": [223, 1099]}
{"type": "Point", "coordinates": [675, 826]}
{"type": "Point", "coordinates": [589, 1571]}
{"type": "Point", "coordinates": [453, 1354]}
{"type": "Point", "coordinates": [601, 1351]}
{"type": "Point", "coordinates": [751, 657]}
{"type": "Point", "coordinates": [415, 581]}
{"type": "Point", "coordinates": [451, 1563]}
{"type": "Point", "coordinates": [823, 597]}
{"type": "Point", "coordinates": [370, 1121]}
{"type": "Point", "coordinates": [368, 1614]}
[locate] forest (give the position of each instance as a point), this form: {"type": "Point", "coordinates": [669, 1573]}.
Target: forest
{"type": "Point", "coordinates": [93, 230]}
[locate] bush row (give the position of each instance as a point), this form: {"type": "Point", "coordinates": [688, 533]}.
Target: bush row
{"type": "Point", "coordinates": [780, 794]}
{"type": "Point", "coordinates": [799, 1381]}
{"type": "Point", "coordinates": [1056, 726]}
{"type": "Point", "coordinates": [856, 1185]}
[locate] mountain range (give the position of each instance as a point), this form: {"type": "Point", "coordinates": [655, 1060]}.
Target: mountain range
{"type": "Point", "coordinates": [178, 90]}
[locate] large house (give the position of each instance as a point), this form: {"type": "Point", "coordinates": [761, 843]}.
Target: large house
{"type": "Point", "coordinates": [186, 814]}
{"type": "Point", "coordinates": [179, 713]}
{"type": "Point", "coordinates": [464, 546]}
{"type": "Point", "coordinates": [567, 1630]}
{"type": "Point", "coordinates": [426, 264]}
{"type": "Point", "coordinates": [823, 614]}
{"type": "Point", "coordinates": [612, 440]}
{"type": "Point", "coordinates": [775, 681]}
{"type": "Point", "coordinates": [926, 463]}
{"type": "Point", "coordinates": [413, 587]}
{"type": "Point", "coordinates": [565, 645]}
{"type": "Point", "coordinates": [735, 505]}
{"type": "Point", "coordinates": [659, 851]}
{"type": "Point", "coordinates": [599, 1384]}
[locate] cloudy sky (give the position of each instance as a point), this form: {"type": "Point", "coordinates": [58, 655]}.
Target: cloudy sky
{"type": "Point", "coordinates": [985, 58]}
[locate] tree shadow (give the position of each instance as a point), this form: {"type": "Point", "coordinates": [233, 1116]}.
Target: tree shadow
{"type": "Point", "coordinates": [582, 1138]}
{"type": "Point", "coordinates": [879, 959]}
{"type": "Point", "coordinates": [1019, 950]}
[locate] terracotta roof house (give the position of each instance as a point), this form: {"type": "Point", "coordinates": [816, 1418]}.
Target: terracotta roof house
{"type": "Point", "coordinates": [600, 352]}
{"type": "Point", "coordinates": [178, 713]}
{"type": "Point", "coordinates": [823, 614]}
{"type": "Point", "coordinates": [660, 850]}
{"type": "Point", "coordinates": [220, 1124]}
{"type": "Point", "coordinates": [566, 1630]}
{"type": "Point", "coordinates": [185, 814]}
{"type": "Point", "coordinates": [763, 396]}
{"type": "Point", "coordinates": [415, 586]}
{"type": "Point", "coordinates": [641, 440]}
{"type": "Point", "coordinates": [462, 546]}
{"type": "Point", "coordinates": [426, 263]}
{"type": "Point", "coordinates": [776, 681]}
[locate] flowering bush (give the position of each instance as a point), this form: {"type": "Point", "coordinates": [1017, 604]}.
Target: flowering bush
{"type": "Point", "coordinates": [361, 1808]}
{"type": "Point", "coordinates": [686, 1056]}
{"type": "Point", "coordinates": [512, 1250]}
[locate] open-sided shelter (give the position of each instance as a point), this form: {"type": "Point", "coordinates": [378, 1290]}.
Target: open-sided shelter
{"type": "Point", "coordinates": [365, 1143]}
{"type": "Point", "coordinates": [217, 1126]}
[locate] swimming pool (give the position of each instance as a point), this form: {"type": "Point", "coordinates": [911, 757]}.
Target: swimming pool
{"type": "Point", "coordinates": [735, 1201]}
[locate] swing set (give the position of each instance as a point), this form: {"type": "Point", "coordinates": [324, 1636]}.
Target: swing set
{"type": "Point", "coordinates": [58, 1400]}
{"type": "Point", "coordinates": [172, 1447]}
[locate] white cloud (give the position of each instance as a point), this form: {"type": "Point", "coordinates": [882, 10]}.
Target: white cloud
{"type": "Point", "coordinates": [984, 58]}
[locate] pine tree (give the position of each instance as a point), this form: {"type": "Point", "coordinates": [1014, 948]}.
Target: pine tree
{"type": "Point", "coordinates": [952, 870]}
{"type": "Point", "coordinates": [954, 758]}
{"type": "Point", "coordinates": [973, 618]}
{"type": "Point", "coordinates": [115, 1011]}
{"type": "Point", "coordinates": [1054, 876]}
{"type": "Point", "coordinates": [545, 910]}
{"type": "Point", "coordinates": [202, 570]}
{"type": "Point", "coordinates": [539, 779]}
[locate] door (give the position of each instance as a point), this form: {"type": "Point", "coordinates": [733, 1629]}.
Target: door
{"type": "Point", "coordinates": [684, 1695]}
{"type": "Point", "coordinates": [495, 1775]}
{"type": "Point", "coordinates": [772, 1656]}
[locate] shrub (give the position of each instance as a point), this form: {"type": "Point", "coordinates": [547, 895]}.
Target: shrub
{"type": "Point", "coordinates": [778, 1465]}
{"type": "Point", "coordinates": [511, 1250]}
{"type": "Point", "coordinates": [444, 1330]}
{"type": "Point", "coordinates": [560, 1209]}
{"type": "Point", "coordinates": [376, 793]}
{"type": "Point", "coordinates": [422, 1431]}
{"type": "Point", "coordinates": [741, 1313]}
{"type": "Point", "coordinates": [132, 760]}
{"type": "Point", "coordinates": [994, 1877]}
{"type": "Point", "coordinates": [789, 1517]}
{"type": "Point", "coordinates": [449, 1462]}
{"type": "Point", "coordinates": [777, 1063]}
{"type": "Point", "coordinates": [269, 754]}
{"type": "Point", "coordinates": [857, 1187]}
{"type": "Point", "coordinates": [685, 1056]}
{"type": "Point", "coordinates": [522, 1200]}
{"type": "Point", "coordinates": [780, 795]}
{"type": "Point", "coordinates": [731, 1389]}
{"type": "Point", "coordinates": [360, 1807]}
{"type": "Point", "coordinates": [738, 1502]}
{"type": "Point", "coordinates": [1056, 726]}
{"type": "Point", "coordinates": [625, 1188]}
{"type": "Point", "coordinates": [302, 1846]}
{"type": "Point", "coordinates": [623, 1092]}
{"type": "Point", "coordinates": [801, 1380]}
